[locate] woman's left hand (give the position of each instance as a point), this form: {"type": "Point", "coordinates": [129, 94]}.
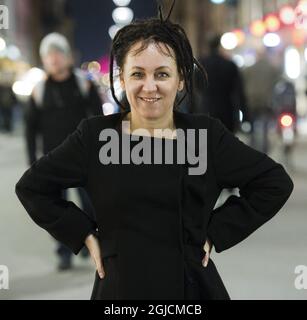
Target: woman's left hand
{"type": "Point", "coordinates": [207, 248]}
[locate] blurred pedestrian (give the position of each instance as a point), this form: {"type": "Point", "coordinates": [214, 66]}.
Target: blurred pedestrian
{"type": "Point", "coordinates": [223, 95]}
{"type": "Point", "coordinates": [284, 97]}
{"type": "Point", "coordinates": [57, 105]}
{"type": "Point", "coordinates": [7, 103]}
{"type": "Point", "coordinates": [260, 80]}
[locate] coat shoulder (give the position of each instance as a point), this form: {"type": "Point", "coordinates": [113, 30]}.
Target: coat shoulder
{"type": "Point", "coordinates": [100, 122]}
{"type": "Point", "coordinates": [198, 120]}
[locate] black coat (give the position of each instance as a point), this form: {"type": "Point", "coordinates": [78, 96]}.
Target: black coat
{"type": "Point", "coordinates": [62, 109]}
{"type": "Point", "coordinates": [142, 248]}
{"type": "Point", "coordinates": [223, 96]}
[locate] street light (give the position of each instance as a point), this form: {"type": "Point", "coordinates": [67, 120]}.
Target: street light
{"type": "Point", "coordinates": [271, 40]}
{"type": "Point", "coordinates": [13, 52]}
{"type": "Point", "coordinates": [122, 15]}
{"type": "Point", "coordinates": [217, 1]}
{"type": "Point", "coordinates": [122, 3]}
{"type": "Point", "coordinates": [2, 44]}
{"type": "Point", "coordinates": [229, 41]}
{"type": "Point", "coordinates": [292, 63]}
{"type": "Point", "coordinates": [257, 28]}
{"type": "Point", "coordinates": [287, 15]}
{"type": "Point", "coordinates": [113, 30]}
{"type": "Point", "coordinates": [272, 23]}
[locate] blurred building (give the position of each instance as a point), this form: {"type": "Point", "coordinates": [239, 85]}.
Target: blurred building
{"type": "Point", "coordinates": [29, 22]}
{"type": "Point", "coordinates": [278, 27]}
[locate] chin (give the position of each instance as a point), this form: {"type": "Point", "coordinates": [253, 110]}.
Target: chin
{"type": "Point", "coordinates": [152, 114]}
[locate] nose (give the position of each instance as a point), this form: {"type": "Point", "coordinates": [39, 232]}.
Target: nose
{"type": "Point", "coordinates": [149, 84]}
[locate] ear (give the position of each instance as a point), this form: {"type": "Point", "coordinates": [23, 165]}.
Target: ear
{"type": "Point", "coordinates": [181, 85]}
{"type": "Point", "coordinates": [121, 80]}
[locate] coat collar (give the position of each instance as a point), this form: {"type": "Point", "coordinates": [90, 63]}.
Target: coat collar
{"type": "Point", "coordinates": [181, 120]}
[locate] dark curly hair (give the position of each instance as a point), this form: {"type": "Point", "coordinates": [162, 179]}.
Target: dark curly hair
{"type": "Point", "coordinates": [155, 30]}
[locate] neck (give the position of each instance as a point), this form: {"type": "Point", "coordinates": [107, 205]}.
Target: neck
{"type": "Point", "coordinates": [61, 76]}
{"type": "Point", "coordinates": [150, 125]}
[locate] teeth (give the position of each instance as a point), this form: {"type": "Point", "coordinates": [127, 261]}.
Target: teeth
{"type": "Point", "coordinates": [150, 99]}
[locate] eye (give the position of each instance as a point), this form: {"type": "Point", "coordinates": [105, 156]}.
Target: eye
{"type": "Point", "coordinates": [163, 75]}
{"type": "Point", "coordinates": [136, 74]}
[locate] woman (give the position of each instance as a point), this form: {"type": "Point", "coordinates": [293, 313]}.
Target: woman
{"type": "Point", "coordinates": [155, 223]}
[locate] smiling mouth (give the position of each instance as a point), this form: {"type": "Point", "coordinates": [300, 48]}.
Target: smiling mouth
{"type": "Point", "coordinates": [150, 99]}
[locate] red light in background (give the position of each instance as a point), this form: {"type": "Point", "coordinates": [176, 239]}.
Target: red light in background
{"type": "Point", "coordinates": [257, 28]}
{"type": "Point", "coordinates": [272, 23]}
{"type": "Point", "coordinates": [298, 37]}
{"type": "Point", "coordinates": [286, 120]}
{"type": "Point", "coordinates": [240, 35]}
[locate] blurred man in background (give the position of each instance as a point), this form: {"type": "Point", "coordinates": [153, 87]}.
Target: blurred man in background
{"type": "Point", "coordinates": [223, 97]}
{"type": "Point", "coordinates": [260, 80]}
{"type": "Point", "coordinates": [57, 105]}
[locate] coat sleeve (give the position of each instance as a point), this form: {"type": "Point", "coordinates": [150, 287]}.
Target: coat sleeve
{"type": "Point", "coordinates": [264, 187]}
{"type": "Point", "coordinates": [94, 103]}
{"type": "Point", "coordinates": [40, 188]}
{"type": "Point", "coordinates": [32, 119]}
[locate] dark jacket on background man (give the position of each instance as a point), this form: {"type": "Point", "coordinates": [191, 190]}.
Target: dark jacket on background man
{"type": "Point", "coordinates": [55, 110]}
{"type": "Point", "coordinates": [223, 96]}
{"type": "Point", "coordinates": [259, 81]}
{"type": "Point", "coordinates": [139, 226]}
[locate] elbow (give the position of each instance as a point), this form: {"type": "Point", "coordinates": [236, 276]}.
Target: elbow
{"type": "Point", "coordinates": [286, 185]}
{"type": "Point", "coordinates": [19, 188]}
{"type": "Point", "coordinates": [290, 186]}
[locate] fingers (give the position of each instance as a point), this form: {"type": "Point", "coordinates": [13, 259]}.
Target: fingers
{"type": "Point", "coordinates": [95, 254]}
{"type": "Point", "coordinates": [207, 248]}
{"type": "Point", "coordinates": [99, 267]}
{"type": "Point", "coordinates": [94, 249]}
{"type": "Point", "coordinates": [205, 260]}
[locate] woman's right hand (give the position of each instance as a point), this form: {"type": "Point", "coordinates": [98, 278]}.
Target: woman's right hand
{"type": "Point", "coordinates": [93, 246]}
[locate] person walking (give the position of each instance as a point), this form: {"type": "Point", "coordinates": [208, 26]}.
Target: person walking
{"type": "Point", "coordinates": [222, 95]}
{"type": "Point", "coordinates": [57, 105]}
{"type": "Point", "coordinates": [260, 80]}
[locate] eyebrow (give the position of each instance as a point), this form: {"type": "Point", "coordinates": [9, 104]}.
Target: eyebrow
{"type": "Point", "coordinates": [162, 67]}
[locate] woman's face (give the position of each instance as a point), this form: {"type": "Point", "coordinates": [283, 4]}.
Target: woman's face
{"type": "Point", "coordinates": [151, 81]}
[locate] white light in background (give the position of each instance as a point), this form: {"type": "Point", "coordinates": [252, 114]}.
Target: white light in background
{"type": "Point", "coordinates": [229, 41]}
{"type": "Point", "coordinates": [300, 15]}
{"type": "Point", "coordinates": [271, 40]}
{"type": "Point", "coordinates": [246, 127]}
{"type": "Point", "coordinates": [287, 15]}
{"type": "Point", "coordinates": [238, 60]}
{"type": "Point", "coordinates": [250, 59]}
{"type": "Point", "coordinates": [113, 30]}
{"type": "Point", "coordinates": [34, 75]}
{"type": "Point", "coordinates": [217, 1]}
{"type": "Point", "coordinates": [108, 108]}
{"type": "Point", "coordinates": [122, 15]}
{"type": "Point", "coordinates": [122, 3]}
{"type": "Point", "coordinates": [2, 44]}
{"type": "Point", "coordinates": [305, 54]}
{"type": "Point", "coordinates": [292, 63]}
{"type": "Point", "coordinates": [24, 86]}
{"type": "Point", "coordinates": [240, 116]}
{"type": "Point", "coordinates": [13, 52]}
